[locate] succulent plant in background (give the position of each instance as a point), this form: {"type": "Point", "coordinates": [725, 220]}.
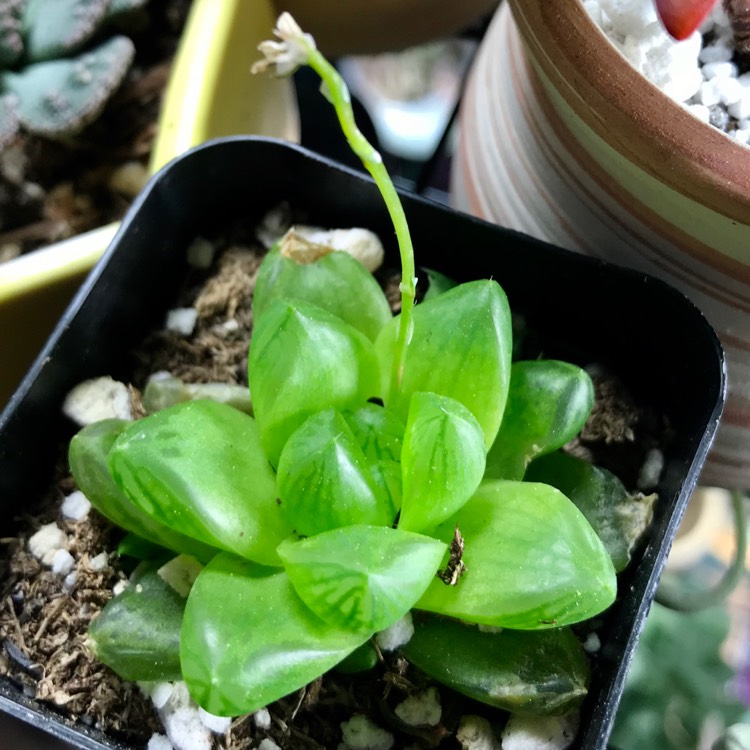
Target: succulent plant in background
{"type": "Point", "coordinates": [56, 73]}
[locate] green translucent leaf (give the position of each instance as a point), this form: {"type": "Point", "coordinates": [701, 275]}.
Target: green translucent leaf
{"type": "Point", "coordinates": [163, 392]}
{"type": "Point", "coordinates": [437, 283]}
{"type": "Point", "coordinates": [618, 517]}
{"type": "Point", "coordinates": [542, 672]}
{"type": "Point", "coordinates": [461, 348]}
{"type": "Point", "coordinates": [337, 282]}
{"type": "Point", "coordinates": [548, 404]}
{"type": "Point", "coordinates": [380, 434]}
{"type": "Point", "coordinates": [87, 457]}
{"type": "Point", "coordinates": [324, 481]}
{"type": "Point", "coordinates": [248, 639]}
{"type": "Point", "coordinates": [132, 545]}
{"type": "Point", "coordinates": [442, 461]}
{"type": "Point", "coordinates": [533, 561]}
{"type": "Point", "coordinates": [361, 659]}
{"type": "Point", "coordinates": [199, 467]}
{"type": "Point", "coordinates": [137, 633]}
{"type": "Point", "coordinates": [362, 578]}
{"type": "Point", "coordinates": [304, 360]}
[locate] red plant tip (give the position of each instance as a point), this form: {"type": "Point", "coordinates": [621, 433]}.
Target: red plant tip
{"type": "Point", "coordinates": [682, 17]}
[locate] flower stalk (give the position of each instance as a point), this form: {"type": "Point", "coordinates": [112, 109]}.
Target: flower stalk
{"type": "Point", "coordinates": [283, 57]}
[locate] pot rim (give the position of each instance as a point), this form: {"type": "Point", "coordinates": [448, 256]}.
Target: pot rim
{"type": "Point", "coordinates": [631, 114]}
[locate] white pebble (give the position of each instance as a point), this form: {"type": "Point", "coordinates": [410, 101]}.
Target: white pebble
{"type": "Point", "coordinates": [62, 562]}
{"type": "Point", "coordinates": [120, 586]}
{"type": "Point", "coordinates": [701, 111]}
{"type": "Point", "coordinates": [651, 469]}
{"type": "Point", "coordinates": [200, 253]}
{"type": "Point", "coordinates": [97, 399]}
{"type": "Point", "coordinates": [708, 94]}
{"type": "Point", "coordinates": [592, 644]}
{"type": "Point", "coordinates": [421, 709]}
{"type": "Point", "coordinates": [360, 733]}
{"type": "Point", "coordinates": [721, 69]}
{"type": "Point", "coordinates": [396, 635]}
{"type": "Point", "coordinates": [70, 580]}
{"type": "Point", "coordinates": [76, 506]}
{"type": "Point", "coordinates": [540, 732]}
{"type": "Point", "coordinates": [729, 89]}
{"type": "Point", "coordinates": [160, 693]}
{"type": "Point", "coordinates": [268, 744]}
{"type": "Point", "coordinates": [475, 733]}
{"type": "Point", "coordinates": [159, 742]}
{"type": "Point", "coordinates": [185, 729]}
{"type": "Point", "coordinates": [180, 573]}
{"type": "Point", "coordinates": [743, 136]}
{"type": "Point", "coordinates": [715, 53]}
{"type": "Point", "coordinates": [182, 320]}
{"type": "Point", "coordinates": [47, 541]}
{"type": "Point", "coordinates": [99, 562]}
{"type": "Point", "coordinates": [360, 243]}
{"type": "Point", "coordinates": [740, 110]}
{"type": "Point", "coordinates": [217, 724]}
{"type": "Point", "coordinates": [262, 719]}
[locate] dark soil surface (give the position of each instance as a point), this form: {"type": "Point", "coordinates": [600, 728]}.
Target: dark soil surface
{"type": "Point", "coordinates": [43, 624]}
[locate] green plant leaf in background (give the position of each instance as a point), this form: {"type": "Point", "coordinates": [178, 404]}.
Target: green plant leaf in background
{"type": "Point", "coordinates": [303, 360]}
{"type": "Point", "coordinates": [461, 347]}
{"type": "Point", "coordinates": [544, 672]}
{"type": "Point", "coordinates": [548, 404]}
{"type": "Point", "coordinates": [138, 632]}
{"type": "Point", "coordinates": [87, 457]}
{"type": "Point", "coordinates": [199, 467]}
{"type": "Point", "coordinates": [533, 561]}
{"type": "Point", "coordinates": [336, 281]}
{"type": "Point", "coordinates": [618, 517]}
{"type": "Point", "coordinates": [678, 682]}
{"type": "Point", "coordinates": [380, 434]}
{"type": "Point", "coordinates": [442, 460]}
{"type": "Point", "coordinates": [362, 578]}
{"type": "Point", "coordinates": [324, 481]}
{"type": "Point", "coordinates": [248, 639]}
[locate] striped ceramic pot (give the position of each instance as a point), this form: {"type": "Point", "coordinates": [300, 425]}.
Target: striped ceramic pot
{"type": "Point", "coordinates": [563, 140]}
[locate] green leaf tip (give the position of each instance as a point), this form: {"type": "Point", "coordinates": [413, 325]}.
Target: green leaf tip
{"type": "Point", "coordinates": [363, 578]}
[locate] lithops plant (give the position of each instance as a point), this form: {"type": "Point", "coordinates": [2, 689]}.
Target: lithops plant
{"type": "Point", "coordinates": [56, 74]}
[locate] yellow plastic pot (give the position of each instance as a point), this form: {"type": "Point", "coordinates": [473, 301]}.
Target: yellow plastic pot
{"type": "Point", "coordinates": [210, 93]}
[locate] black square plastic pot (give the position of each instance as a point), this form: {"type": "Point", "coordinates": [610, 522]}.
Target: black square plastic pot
{"type": "Point", "coordinates": [656, 341]}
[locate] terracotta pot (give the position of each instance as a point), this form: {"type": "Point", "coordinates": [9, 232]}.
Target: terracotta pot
{"type": "Point", "coordinates": [562, 139]}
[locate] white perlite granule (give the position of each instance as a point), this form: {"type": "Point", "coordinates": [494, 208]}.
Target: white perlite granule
{"type": "Point", "coordinates": [268, 744]}
{"type": "Point", "coordinates": [75, 507]}
{"type": "Point", "coordinates": [159, 742]}
{"type": "Point", "coordinates": [97, 399]}
{"type": "Point", "coordinates": [62, 562]}
{"type": "Point", "coordinates": [262, 719]}
{"type": "Point", "coordinates": [179, 715]}
{"type": "Point", "coordinates": [540, 732]}
{"type": "Point", "coordinates": [702, 78]}
{"type": "Point", "coordinates": [475, 733]}
{"type": "Point", "coordinates": [360, 733]}
{"type": "Point", "coordinates": [397, 635]}
{"type": "Point", "coordinates": [182, 320]}
{"type": "Point", "coordinates": [421, 709]}
{"type": "Point", "coordinates": [47, 541]}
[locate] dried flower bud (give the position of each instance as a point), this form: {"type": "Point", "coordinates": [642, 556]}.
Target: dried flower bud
{"type": "Point", "coordinates": [282, 58]}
